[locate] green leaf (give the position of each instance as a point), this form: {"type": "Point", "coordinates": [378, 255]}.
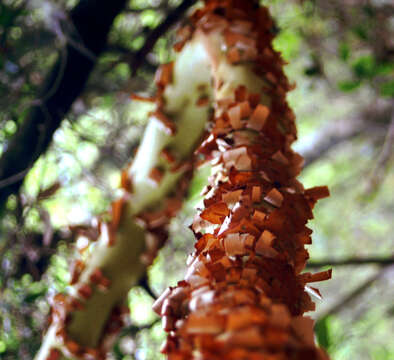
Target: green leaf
{"type": "Point", "coordinates": [365, 67]}
{"type": "Point", "coordinates": [31, 297]}
{"type": "Point", "coordinates": [150, 18]}
{"type": "Point", "coordinates": [361, 32]}
{"type": "Point", "coordinates": [137, 42]}
{"type": "Point", "coordinates": [381, 353]}
{"type": "Point", "coordinates": [348, 85]}
{"type": "Point", "coordinates": [288, 43]}
{"type": "Point", "coordinates": [385, 68]}
{"type": "Point", "coordinates": [344, 51]}
{"type": "Point", "coordinates": [322, 331]}
{"type": "Point", "coordinates": [3, 346]}
{"type": "Point", "coordinates": [387, 89]}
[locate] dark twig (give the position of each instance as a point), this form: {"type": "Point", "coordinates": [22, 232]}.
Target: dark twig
{"type": "Point", "coordinates": [159, 31]}
{"type": "Point", "coordinates": [134, 329]}
{"type": "Point", "coordinates": [385, 155]}
{"type": "Point", "coordinates": [366, 121]}
{"type": "Point", "coordinates": [91, 21]}
{"type": "Point", "coordinates": [326, 145]}
{"type": "Point", "coordinates": [33, 257]}
{"type": "Point", "coordinates": [351, 262]}
{"type": "Point", "coordinates": [145, 285]}
{"type": "Point", "coordinates": [345, 302]}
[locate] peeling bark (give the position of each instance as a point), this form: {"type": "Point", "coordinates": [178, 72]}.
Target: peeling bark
{"type": "Point", "coordinates": [125, 241]}
{"type": "Point", "coordinates": [244, 294]}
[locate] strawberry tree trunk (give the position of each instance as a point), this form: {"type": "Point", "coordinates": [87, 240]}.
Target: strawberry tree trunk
{"type": "Point", "coordinates": [114, 254]}
{"type": "Point", "coordinates": [244, 294]}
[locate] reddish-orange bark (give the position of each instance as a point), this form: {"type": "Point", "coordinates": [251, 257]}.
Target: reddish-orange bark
{"type": "Point", "coordinates": [244, 296]}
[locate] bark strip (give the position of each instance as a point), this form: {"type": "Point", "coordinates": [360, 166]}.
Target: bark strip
{"type": "Point", "coordinates": [244, 293]}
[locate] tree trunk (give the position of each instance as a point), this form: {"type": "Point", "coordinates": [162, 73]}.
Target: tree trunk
{"type": "Point", "coordinates": [244, 296]}
{"type": "Point", "coordinates": [85, 321]}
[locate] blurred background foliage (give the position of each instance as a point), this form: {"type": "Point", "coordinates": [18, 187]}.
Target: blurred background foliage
{"type": "Point", "coordinates": [340, 54]}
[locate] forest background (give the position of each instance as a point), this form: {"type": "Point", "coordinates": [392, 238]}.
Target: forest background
{"type": "Point", "coordinates": [340, 55]}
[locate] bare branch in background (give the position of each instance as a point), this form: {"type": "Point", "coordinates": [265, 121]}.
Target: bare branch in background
{"type": "Point", "coordinates": [350, 298]}
{"type": "Point", "coordinates": [369, 120]}
{"type": "Point", "coordinates": [138, 59]}
{"type": "Point", "coordinates": [171, 18]}
{"type": "Point", "coordinates": [381, 261]}
{"type": "Point", "coordinates": [384, 158]}
{"type": "Point", "coordinates": [31, 256]}
{"type": "Point", "coordinates": [145, 285]}
{"type": "Point", "coordinates": [63, 85]}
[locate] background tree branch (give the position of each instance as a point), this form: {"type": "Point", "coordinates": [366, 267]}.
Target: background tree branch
{"type": "Point", "coordinates": [138, 58]}
{"type": "Point", "coordinates": [62, 86]}
{"type": "Point", "coordinates": [381, 261]}
{"type": "Point", "coordinates": [86, 40]}
{"type": "Point", "coordinates": [358, 291]}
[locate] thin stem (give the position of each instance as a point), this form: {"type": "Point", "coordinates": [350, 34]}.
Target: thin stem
{"type": "Point", "coordinates": [381, 261]}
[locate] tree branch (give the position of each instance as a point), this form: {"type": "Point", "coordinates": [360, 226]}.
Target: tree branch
{"type": "Point", "coordinates": [351, 262]}
{"type": "Point", "coordinates": [65, 82]}
{"type": "Point", "coordinates": [91, 21]}
{"type": "Point", "coordinates": [143, 282]}
{"type": "Point", "coordinates": [327, 144]}
{"type": "Point", "coordinates": [345, 302]}
{"type": "Point", "coordinates": [369, 120]}
{"type": "Point", "coordinates": [137, 59]}
{"type": "Point", "coordinates": [377, 175]}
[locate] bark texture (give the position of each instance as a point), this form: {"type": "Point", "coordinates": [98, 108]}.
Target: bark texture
{"type": "Point", "coordinates": [244, 294]}
{"type": "Point", "coordinates": [114, 252]}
